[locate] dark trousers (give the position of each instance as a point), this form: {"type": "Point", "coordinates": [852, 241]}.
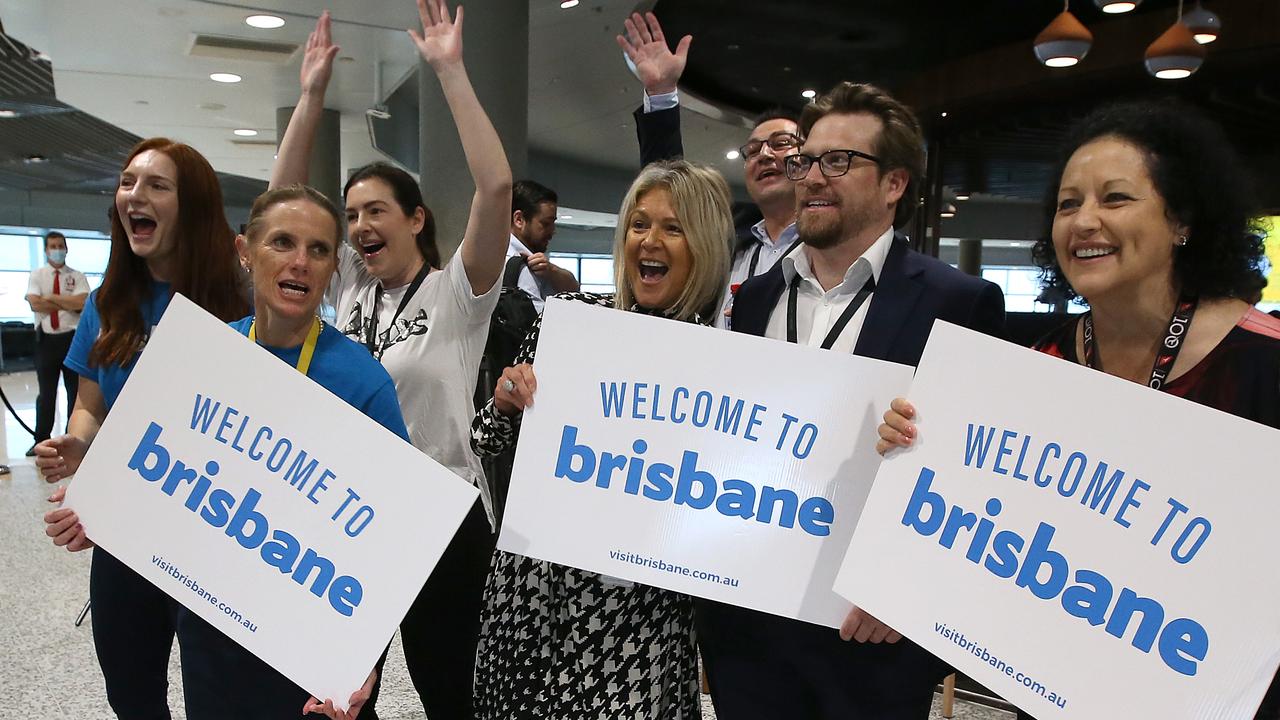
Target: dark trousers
{"type": "Point", "coordinates": [442, 629]}
{"type": "Point", "coordinates": [220, 679]}
{"type": "Point", "coordinates": [133, 625]}
{"type": "Point", "coordinates": [51, 350]}
{"type": "Point", "coordinates": [764, 667]}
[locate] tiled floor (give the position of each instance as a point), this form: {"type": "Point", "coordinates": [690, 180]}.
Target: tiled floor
{"type": "Point", "coordinates": [47, 666]}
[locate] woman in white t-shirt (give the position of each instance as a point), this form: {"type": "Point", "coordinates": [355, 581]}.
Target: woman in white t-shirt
{"type": "Point", "coordinates": [427, 326]}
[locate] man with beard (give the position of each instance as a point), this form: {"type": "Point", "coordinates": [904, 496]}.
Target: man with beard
{"type": "Point", "coordinates": [852, 286]}
{"type": "Point", "coordinates": [761, 244]}
{"type": "Point", "coordinates": [533, 223]}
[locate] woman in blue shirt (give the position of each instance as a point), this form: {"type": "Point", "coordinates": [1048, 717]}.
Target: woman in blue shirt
{"type": "Point", "coordinates": [168, 234]}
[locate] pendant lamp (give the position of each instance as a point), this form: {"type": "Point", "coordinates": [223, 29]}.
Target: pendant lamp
{"type": "Point", "coordinates": [1175, 54]}
{"type": "Point", "coordinates": [1204, 25]}
{"type": "Point", "coordinates": [1064, 42]}
{"type": "Point", "coordinates": [1115, 7]}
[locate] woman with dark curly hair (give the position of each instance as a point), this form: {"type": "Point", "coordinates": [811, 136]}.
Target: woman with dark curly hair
{"type": "Point", "coordinates": [1151, 224]}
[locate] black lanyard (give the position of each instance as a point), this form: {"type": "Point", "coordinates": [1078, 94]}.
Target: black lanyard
{"type": "Point", "coordinates": [1170, 346]}
{"type": "Point", "coordinates": [371, 337]}
{"type": "Point", "coordinates": [792, 295]}
{"type": "Point", "coordinates": [755, 258]}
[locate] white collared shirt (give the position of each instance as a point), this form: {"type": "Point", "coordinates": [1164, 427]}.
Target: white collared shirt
{"type": "Point", "coordinates": [817, 310]}
{"type": "Point", "coordinates": [70, 282]}
{"type": "Point", "coordinates": [528, 282]}
{"type": "Point", "coordinates": [770, 251]}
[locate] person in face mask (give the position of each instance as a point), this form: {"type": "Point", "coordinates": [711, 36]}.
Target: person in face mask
{"type": "Point", "coordinates": [56, 294]}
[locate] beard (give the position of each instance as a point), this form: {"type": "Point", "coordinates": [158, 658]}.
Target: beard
{"type": "Point", "coordinates": [819, 233]}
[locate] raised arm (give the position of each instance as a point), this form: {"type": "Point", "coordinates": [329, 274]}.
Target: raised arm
{"type": "Point", "coordinates": [294, 158]}
{"type": "Point", "coordinates": [659, 69]}
{"type": "Point", "coordinates": [484, 244]}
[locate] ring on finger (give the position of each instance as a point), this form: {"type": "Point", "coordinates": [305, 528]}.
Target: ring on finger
{"type": "Point", "coordinates": [508, 385]}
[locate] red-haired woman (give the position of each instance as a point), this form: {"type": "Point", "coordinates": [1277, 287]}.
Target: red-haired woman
{"type": "Point", "coordinates": [168, 234]}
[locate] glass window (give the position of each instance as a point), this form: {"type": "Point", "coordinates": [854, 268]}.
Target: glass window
{"type": "Point", "coordinates": [88, 255]}
{"type": "Point", "coordinates": [13, 296]}
{"type": "Point", "coordinates": [15, 252]}
{"type": "Point", "coordinates": [1021, 286]}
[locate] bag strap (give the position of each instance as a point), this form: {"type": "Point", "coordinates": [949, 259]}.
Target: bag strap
{"type": "Point", "coordinates": [511, 275]}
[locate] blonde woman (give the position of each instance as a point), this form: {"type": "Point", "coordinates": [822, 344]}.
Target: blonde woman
{"type": "Point", "coordinates": [569, 644]}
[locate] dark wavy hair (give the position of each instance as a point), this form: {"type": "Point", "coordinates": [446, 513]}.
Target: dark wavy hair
{"type": "Point", "coordinates": [1204, 187]}
{"type": "Point", "coordinates": [409, 197]}
{"type": "Point", "coordinates": [204, 268]}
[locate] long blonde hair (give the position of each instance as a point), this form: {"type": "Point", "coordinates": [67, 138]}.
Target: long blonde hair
{"type": "Point", "coordinates": [700, 197]}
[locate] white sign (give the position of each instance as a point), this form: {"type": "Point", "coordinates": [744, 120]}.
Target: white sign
{"type": "Point", "coordinates": [281, 515]}
{"type": "Point", "coordinates": [707, 462]}
{"type": "Point", "coordinates": [1085, 546]}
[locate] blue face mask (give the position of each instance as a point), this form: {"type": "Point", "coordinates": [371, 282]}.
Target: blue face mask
{"type": "Point", "coordinates": [57, 256]}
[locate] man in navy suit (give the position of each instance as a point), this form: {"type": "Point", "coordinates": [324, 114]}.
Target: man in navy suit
{"type": "Point", "coordinates": [853, 286]}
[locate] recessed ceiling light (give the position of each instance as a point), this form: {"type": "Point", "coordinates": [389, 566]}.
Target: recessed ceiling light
{"type": "Point", "coordinates": [245, 132]}
{"type": "Point", "coordinates": [962, 196]}
{"type": "Point", "coordinates": [732, 155]}
{"type": "Point", "coordinates": [568, 4]}
{"type": "Point", "coordinates": [225, 77]}
{"type": "Point", "coordinates": [1115, 7]}
{"type": "Point", "coordinates": [566, 217]}
{"type": "Point", "coordinates": [8, 113]}
{"type": "Point", "coordinates": [810, 94]}
{"type": "Point", "coordinates": [35, 159]}
{"type": "Point", "coordinates": [944, 113]}
{"type": "Point", "coordinates": [265, 22]}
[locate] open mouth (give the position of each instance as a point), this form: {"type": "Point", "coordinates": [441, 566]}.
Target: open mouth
{"type": "Point", "coordinates": [142, 225]}
{"type": "Point", "coordinates": [768, 173]}
{"type": "Point", "coordinates": [818, 204]}
{"type": "Point", "coordinates": [293, 288]}
{"type": "Point", "coordinates": [370, 249]}
{"type": "Point", "coordinates": [1093, 252]}
{"type": "Point", "coordinates": [652, 271]}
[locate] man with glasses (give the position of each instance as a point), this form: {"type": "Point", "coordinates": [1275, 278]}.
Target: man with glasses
{"type": "Point", "coordinates": [852, 286]}
{"type": "Point", "coordinates": [760, 244]}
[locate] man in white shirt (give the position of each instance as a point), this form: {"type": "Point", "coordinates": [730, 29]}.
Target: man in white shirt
{"type": "Point", "coordinates": [853, 286]}
{"type": "Point", "coordinates": [761, 245]}
{"type": "Point", "coordinates": [533, 223]}
{"type": "Point", "coordinates": [56, 294]}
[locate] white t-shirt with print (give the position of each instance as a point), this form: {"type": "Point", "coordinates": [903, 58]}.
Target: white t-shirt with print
{"type": "Point", "coordinates": [432, 352]}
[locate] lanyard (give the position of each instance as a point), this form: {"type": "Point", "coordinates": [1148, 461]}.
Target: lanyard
{"type": "Point", "coordinates": [371, 338]}
{"type": "Point", "coordinates": [1179, 323]}
{"type": "Point", "coordinates": [793, 293]}
{"type": "Point", "coordinates": [308, 345]}
{"type": "Point", "coordinates": [755, 258]}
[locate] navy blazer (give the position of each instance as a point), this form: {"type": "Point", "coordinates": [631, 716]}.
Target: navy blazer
{"type": "Point", "coordinates": [913, 291]}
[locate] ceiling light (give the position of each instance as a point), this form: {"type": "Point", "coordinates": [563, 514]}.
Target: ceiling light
{"type": "Point", "coordinates": [732, 155]}
{"type": "Point", "coordinates": [566, 217]}
{"type": "Point", "coordinates": [944, 113]}
{"type": "Point", "coordinates": [35, 159]}
{"type": "Point", "coordinates": [245, 132]}
{"type": "Point", "coordinates": [1175, 54]}
{"type": "Point", "coordinates": [225, 77]}
{"type": "Point", "coordinates": [962, 195]}
{"type": "Point", "coordinates": [948, 211]}
{"type": "Point", "coordinates": [1203, 24]}
{"type": "Point", "coordinates": [809, 94]}
{"type": "Point", "coordinates": [8, 113]}
{"type": "Point", "coordinates": [1115, 7]}
{"type": "Point", "coordinates": [264, 22]}
{"type": "Point", "coordinates": [1064, 42]}
{"type": "Point", "coordinates": [568, 4]}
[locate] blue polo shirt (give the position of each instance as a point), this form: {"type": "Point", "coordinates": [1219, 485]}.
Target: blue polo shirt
{"type": "Point", "coordinates": [345, 368]}
{"type": "Point", "coordinates": [111, 378]}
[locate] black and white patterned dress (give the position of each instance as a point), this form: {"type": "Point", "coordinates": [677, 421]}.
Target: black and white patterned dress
{"type": "Point", "coordinates": [561, 643]}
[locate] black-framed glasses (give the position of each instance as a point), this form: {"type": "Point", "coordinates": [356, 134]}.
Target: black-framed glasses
{"type": "Point", "coordinates": [779, 142]}
{"type": "Point", "coordinates": [832, 163]}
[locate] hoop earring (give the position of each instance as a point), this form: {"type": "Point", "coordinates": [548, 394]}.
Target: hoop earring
{"type": "Point", "coordinates": [1182, 240]}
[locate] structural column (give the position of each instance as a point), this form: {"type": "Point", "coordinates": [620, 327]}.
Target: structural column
{"type": "Point", "coordinates": [971, 256]}
{"type": "Point", "coordinates": [326, 153]}
{"type": "Point", "coordinates": [496, 51]}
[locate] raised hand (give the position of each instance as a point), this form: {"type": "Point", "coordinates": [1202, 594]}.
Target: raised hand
{"type": "Point", "coordinates": [317, 61]}
{"type": "Point", "coordinates": [659, 68]}
{"type": "Point", "coordinates": [440, 43]}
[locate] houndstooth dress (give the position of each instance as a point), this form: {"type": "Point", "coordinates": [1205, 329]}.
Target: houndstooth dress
{"type": "Point", "coordinates": [565, 644]}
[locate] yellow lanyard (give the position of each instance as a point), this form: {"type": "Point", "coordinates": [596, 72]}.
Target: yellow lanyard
{"type": "Point", "coordinates": [308, 346]}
